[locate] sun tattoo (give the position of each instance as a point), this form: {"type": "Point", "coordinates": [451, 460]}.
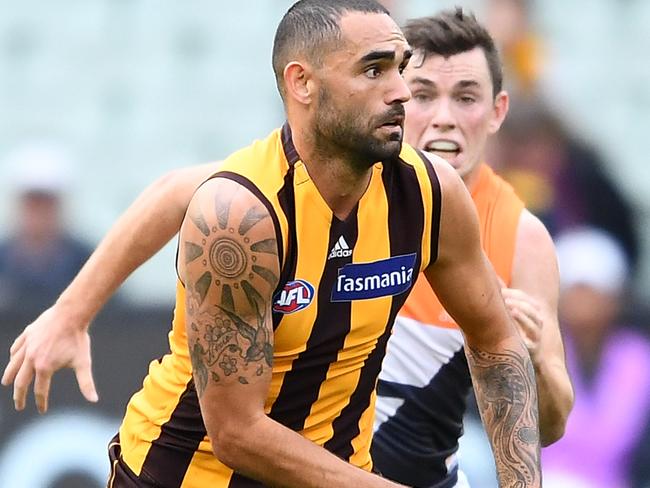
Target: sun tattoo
{"type": "Point", "coordinates": [234, 264]}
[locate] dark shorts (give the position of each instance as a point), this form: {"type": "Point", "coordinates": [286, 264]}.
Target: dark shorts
{"type": "Point", "coordinates": [121, 475]}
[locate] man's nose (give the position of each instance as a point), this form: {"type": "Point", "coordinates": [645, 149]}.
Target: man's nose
{"type": "Point", "coordinates": [442, 117]}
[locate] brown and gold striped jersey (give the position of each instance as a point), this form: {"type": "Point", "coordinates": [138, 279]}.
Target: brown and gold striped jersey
{"type": "Point", "coordinates": [342, 283]}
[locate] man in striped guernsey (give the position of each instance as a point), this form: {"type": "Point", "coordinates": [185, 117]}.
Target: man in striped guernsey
{"type": "Point", "coordinates": [457, 103]}
{"type": "Point", "coordinates": [275, 347]}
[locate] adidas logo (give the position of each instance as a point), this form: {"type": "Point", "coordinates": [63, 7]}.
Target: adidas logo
{"type": "Point", "coordinates": [340, 249]}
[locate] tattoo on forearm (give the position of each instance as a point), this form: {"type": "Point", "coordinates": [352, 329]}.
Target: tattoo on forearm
{"type": "Point", "coordinates": [230, 336]}
{"type": "Point", "coordinates": [505, 391]}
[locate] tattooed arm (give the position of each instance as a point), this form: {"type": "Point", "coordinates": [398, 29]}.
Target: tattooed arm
{"type": "Point", "coordinates": [59, 338]}
{"type": "Point", "coordinates": [228, 261]}
{"type": "Point", "coordinates": [532, 301]}
{"type": "Point", "coordinates": [503, 376]}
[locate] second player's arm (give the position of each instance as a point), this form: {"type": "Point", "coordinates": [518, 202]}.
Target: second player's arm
{"type": "Point", "coordinates": [502, 372]}
{"type": "Point", "coordinates": [228, 261]}
{"type": "Point", "coordinates": [532, 302]}
{"type": "Point", "coordinates": [59, 337]}
{"type": "Point", "coordinates": [147, 225]}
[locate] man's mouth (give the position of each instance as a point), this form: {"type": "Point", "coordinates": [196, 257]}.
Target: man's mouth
{"type": "Point", "coordinates": [396, 121]}
{"type": "Point", "coordinates": [442, 146]}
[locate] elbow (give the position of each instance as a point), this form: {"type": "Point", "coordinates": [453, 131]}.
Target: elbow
{"type": "Point", "coordinates": [552, 435]}
{"type": "Point", "coordinates": [167, 180]}
{"type": "Point", "coordinates": [174, 189]}
{"type": "Point", "coordinates": [233, 443]}
{"type": "Point", "coordinates": [226, 446]}
{"type": "Point", "coordinates": [556, 430]}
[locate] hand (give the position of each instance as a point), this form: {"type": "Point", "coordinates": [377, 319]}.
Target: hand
{"type": "Point", "coordinates": [526, 312]}
{"type": "Point", "coordinates": [50, 343]}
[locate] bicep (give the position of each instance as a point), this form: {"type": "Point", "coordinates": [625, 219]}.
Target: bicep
{"type": "Point", "coordinates": [228, 262]}
{"type": "Point", "coordinates": [173, 191]}
{"type": "Point", "coordinates": [535, 272]}
{"type": "Point", "coordinates": [156, 214]}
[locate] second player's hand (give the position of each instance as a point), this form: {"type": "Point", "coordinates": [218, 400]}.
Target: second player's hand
{"type": "Point", "coordinates": [46, 345]}
{"type": "Point", "coordinates": [526, 312]}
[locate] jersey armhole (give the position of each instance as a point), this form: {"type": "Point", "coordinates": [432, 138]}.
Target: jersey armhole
{"type": "Point", "coordinates": [436, 203]}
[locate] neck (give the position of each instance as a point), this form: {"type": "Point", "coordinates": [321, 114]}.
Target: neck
{"type": "Point", "coordinates": [471, 179]}
{"type": "Point", "coordinates": [339, 181]}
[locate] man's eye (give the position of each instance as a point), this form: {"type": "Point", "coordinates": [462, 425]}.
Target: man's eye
{"type": "Point", "coordinates": [467, 99]}
{"type": "Point", "coordinates": [373, 72]}
{"type": "Point", "coordinates": [422, 97]}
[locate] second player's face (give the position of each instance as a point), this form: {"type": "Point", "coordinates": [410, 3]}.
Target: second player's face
{"type": "Point", "coordinates": [361, 90]}
{"type": "Point", "coordinates": [452, 110]}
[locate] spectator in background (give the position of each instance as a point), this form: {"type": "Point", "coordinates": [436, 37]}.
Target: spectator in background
{"type": "Point", "coordinates": [609, 365]}
{"type": "Point", "coordinates": [40, 257]}
{"type": "Point", "coordinates": [561, 178]}
{"type": "Point", "coordinates": [509, 23]}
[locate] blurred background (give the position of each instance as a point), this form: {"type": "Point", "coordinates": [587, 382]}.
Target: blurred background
{"type": "Point", "coordinates": [100, 97]}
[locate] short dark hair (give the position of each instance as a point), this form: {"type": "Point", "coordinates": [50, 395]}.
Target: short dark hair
{"type": "Point", "coordinates": [310, 28]}
{"type": "Point", "coordinates": [453, 32]}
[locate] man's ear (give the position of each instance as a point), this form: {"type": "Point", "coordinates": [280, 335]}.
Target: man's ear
{"type": "Point", "coordinates": [499, 111]}
{"type": "Point", "coordinates": [297, 82]}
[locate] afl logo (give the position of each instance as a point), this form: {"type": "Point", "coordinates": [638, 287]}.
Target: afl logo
{"type": "Point", "coordinates": [296, 295]}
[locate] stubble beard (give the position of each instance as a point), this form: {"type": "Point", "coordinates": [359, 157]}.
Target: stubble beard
{"type": "Point", "coordinates": [341, 133]}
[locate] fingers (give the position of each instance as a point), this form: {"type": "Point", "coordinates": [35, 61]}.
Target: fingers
{"type": "Point", "coordinates": [42, 389]}
{"type": "Point", "coordinates": [526, 308]}
{"type": "Point", "coordinates": [531, 330]}
{"type": "Point", "coordinates": [515, 294]}
{"type": "Point", "coordinates": [21, 384]}
{"type": "Point", "coordinates": [18, 342]}
{"type": "Point", "coordinates": [86, 383]}
{"type": "Point", "coordinates": [13, 366]}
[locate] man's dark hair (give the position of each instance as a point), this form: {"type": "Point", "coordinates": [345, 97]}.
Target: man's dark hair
{"type": "Point", "coordinates": [453, 32]}
{"type": "Point", "coordinates": [311, 28]}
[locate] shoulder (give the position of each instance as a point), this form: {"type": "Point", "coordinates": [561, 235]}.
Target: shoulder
{"type": "Point", "coordinates": [531, 232]}
{"type": "Point", "coordinates": [496, 188]}
{"type": "Point", "coordinates": [535, 257]}
{"type": "Point", "coordinates": [259, 156]}
{"type": "Point", "coordinates": [448, 177]}
{"type": "Point", "coordinates": [263, 168]}
{"type": "Point", "coordinates": [225, 220]}
{"type": "Point", "coordinates": [224, 191]}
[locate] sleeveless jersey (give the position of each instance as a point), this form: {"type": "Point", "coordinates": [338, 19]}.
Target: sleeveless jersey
{"type": "Point", "coordinates": [425, 378]}
{"type": "Point", "coordinates": [341, 285]}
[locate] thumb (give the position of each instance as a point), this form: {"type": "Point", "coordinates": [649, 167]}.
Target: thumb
{"type": "Point", "coordinates": [86, 383]}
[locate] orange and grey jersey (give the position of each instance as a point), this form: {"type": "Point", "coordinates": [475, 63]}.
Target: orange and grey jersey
{"type": "Point", "coordinates": [341, 285]}
{"type": "Point", "coordinates": [425, 379]}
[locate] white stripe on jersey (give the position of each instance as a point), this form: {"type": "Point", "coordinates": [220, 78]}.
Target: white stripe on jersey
{"type": "Point", "coordinates": [417, 351]}
{"type": "Point", "coordinates": [415, 354]}
{"type": "Point", "coordinates": [385, 408]}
